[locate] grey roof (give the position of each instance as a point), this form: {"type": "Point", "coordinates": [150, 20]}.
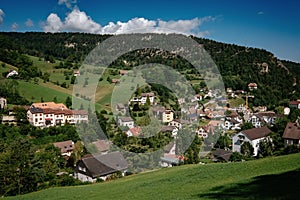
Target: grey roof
{"type": "Point", "coordinates": [256, 133]}
{"type": "Point", "coordinates": [36, 110]}
{"type": "Point", "coordinates": [222, 154]}
{"type": "Point", "coordinates": [292, 131]}
{"type": "Point", "coordinates": [99, 165]}
{"type": "Point", "coordinates": [126, 119]}
{"type": "Point", "coordinates": [167, 128]}
{"type": "Point", "coordinates": [170, 160]}
{"type": "Point", "coordinates": [169, 146]}
{"type": "Point", "coordinates": [65, 146]}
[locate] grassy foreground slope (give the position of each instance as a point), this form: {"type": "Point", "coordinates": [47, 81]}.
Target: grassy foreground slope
{"type": "Point", "coordinates": [270, 178]}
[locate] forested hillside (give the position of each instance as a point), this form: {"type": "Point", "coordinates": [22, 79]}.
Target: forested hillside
{"type": "Point", "coordinates": [277, 80]}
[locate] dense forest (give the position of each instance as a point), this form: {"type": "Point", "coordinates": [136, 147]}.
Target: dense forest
{"type": "Point", "coordinates": [238, 65]}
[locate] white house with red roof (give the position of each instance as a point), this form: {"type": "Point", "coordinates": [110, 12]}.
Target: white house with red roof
{"type": "Point", "coordinates": [134, 132]}
{"type": "Point", "coordinates": [295, 104]}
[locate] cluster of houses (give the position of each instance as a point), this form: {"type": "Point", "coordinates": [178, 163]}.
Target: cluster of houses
{"type": "Point", "coordinates": [103, 164]}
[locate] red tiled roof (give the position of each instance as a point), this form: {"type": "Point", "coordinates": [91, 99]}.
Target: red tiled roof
{"type": "Point", "coordinates": [252, 85]}
{"type": "Point", "coordinates": [295, 102]}
{"type": "Point", "coordinates": [136, 131]}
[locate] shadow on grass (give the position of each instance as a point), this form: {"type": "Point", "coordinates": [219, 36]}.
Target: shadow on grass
{"type": "Point", "coordinates": [279, 186]}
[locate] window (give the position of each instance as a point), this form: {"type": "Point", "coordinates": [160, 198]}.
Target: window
{"type": "Point", "coordinates": [82, 169]}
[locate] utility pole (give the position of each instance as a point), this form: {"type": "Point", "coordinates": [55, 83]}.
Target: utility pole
{"type": "Point", "coordinates": [248, 96]}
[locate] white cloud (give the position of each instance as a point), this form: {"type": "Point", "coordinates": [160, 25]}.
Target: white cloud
{"type": "Point", "coordinates": [1, 16]}
{"type": "Point", "coordinates": [181, 26]}
{"type": "Point", "coordinates": [53, 24]}
{"type": "Point", "coordinates": [67, 3]}
{"type": "Point", "coordinates": [29, 23]}
{"type": "Point", "coordinates": [14, 26]}
{"type": "Point", "coordinates": [79, 21]}
{"type": "Point", "coordinates": [260, 13]}
{"type": "Point", "coordinates": [134, 25]}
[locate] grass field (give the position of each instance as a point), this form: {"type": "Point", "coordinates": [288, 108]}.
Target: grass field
{"type": "Point", "coordinates": [235, 102]}
{"type": "Point", "coordinates": [34, 92]}
{"type": "Point", "coordinates": [270, 178]}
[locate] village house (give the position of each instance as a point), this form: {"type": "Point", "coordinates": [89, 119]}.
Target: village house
{"type": "Point", "coordinates": [230, 92]}
{"type": "Point", "coordinates": [134, 132]}
{"type": "Point", "coordinates": [252, 86]}
{"type": "Point", "coordinates": [232, 124]}
{"type": "Point", "coordinates": [196, 98]}
{"type": "Point", "coordinates": [263, 118]}
{"type": "Point", "coordinates": [181, 101]}
{"type": "Point", "coordinates": [260, 109]}
{"type": "Point", "coordinates": [158, 111]}
{"type": "Point", "coordinates": [211, 128]}
{"type": "Point", "coordinates": [178, 123]}
{"type": "Point", "coordinates": [203, 131]}
{"type": "Point", "coordinates": [143, 99]}
{"type": "Point", "coordinates": [126, 122]}
{"type": "Point", "coordinates": [9, 119]}
{"type": "Point", "coordinates": [295, 104]}
{"type": "Point", "coordinates": [170, 148]}
{"type": "Point", "coordinates": [202, 113]}
{"type": "Point", "coordinates": [192, 112]}
{"type": "Point", "coordinates": [121, 108]}
{"type": "Point", "coordinates": [52, 114]}
{"type": "Point", "coordinates": [123, 72]}
{"type": "Point", "coordinates": [167, 116]}
{"type": "Point", "coordinates": [102, 146]}
{"type": "Point", "coordinates": [115, 81]}
{"type": "Point", "coordinates": [170, 160]}
{"type": "Point", "coordinates": [221, 155]}
{"type": "Point", "coordinates": [170, 129]}
{"type": "Point", "coordinates": [3, 103]}
{"type": "Point", "coordinates": [253, 136]}
{"type": "Point", "coordinates": [291, 135]}
{"type": "Point", "coordinates": [66, 147]}
{"type": "Point", "coordinates": [76, 72]}
{"type": "Point", "coordinates": [241, 108]}
{"type": "Point", "coordinates": [100, 166]}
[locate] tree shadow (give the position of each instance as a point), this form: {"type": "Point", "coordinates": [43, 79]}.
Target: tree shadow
{"type": "Point", "coordinates": [277, 186]}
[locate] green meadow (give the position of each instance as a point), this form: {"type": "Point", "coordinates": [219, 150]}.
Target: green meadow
{"type": "Point", "coordinates": [269, 178]}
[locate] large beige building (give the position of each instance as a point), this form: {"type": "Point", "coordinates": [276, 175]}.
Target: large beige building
{"type": "Point", "coordinates": [52, 114]}
{"type": "Point", "coordinates": [167, 116]}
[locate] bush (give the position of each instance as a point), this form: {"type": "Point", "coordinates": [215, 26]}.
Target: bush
{"type": "Point", "coordinates": [291, 149]}
{"type": "Point", "coordinates": [236, 157]}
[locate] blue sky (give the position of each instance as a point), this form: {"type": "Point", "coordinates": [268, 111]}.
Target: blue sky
{"type": "Point", "coordinates": [268, 24]}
